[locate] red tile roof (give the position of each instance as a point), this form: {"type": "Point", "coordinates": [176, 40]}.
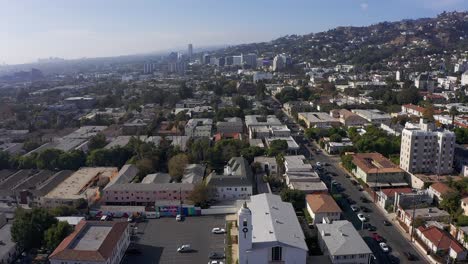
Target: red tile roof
{"type": "Point", "coordinates": [441, 188]}
{"type": "Point", "coordinates": [219, 136]}
{"type": "Point", "coordinates": [390, 192]}
{"type": "Point", "coordinates": [440, 239]}
{"type": "Point", "coordinates": [414, 107]}
{"type": "Point", "coordinates": [322, 203]}
{"type": "Point", "coordinates": [375, 163]}
{"type": "Point", "coordinates": [65, 252]}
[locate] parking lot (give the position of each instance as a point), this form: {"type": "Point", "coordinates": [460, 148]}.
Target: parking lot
{"type": "Point", "coordinates": [158, 239]}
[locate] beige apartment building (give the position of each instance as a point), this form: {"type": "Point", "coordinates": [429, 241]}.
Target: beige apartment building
{"type": "Point", "coordinates": [425, 150]}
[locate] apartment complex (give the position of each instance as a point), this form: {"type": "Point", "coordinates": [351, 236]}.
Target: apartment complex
{"type": "Point", "coordinates": [425, 150]}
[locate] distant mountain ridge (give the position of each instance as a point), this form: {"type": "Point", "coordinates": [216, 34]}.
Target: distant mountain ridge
{"type": "Point", "coordinates": [370, 44]}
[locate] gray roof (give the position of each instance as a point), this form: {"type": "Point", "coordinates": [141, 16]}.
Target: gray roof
{"type": "Point", "coordinates": [275, 221]}
{"type": "Point", "coordinates": [193, 173]}
{"type": "Point", "coordinates": [341, 238]}
{"type": "Point", "coordinates": [5, 237]}
{"type": "Point", "coordinates": [236, 173]}
{"type": "Point", "coordinates": [157, 178]}
{"type": "Point", "coordinates": [150, 187]}
{"type": "Point", "coordinates": [126, 174]}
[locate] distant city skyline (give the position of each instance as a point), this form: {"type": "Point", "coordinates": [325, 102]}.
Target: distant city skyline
{"type": "Point", "coordinates": [33, 29]}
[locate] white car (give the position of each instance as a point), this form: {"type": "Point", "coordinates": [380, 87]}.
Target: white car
{"type": "Point", "coordinates": [361, 217]}
{"type": "Point", "coordinates": [184, 248]}
{"type": "Point", "coordinates": [384, 247]}
{"type": "Point", "coordinates": [178, 217]}
{"type": "Point", "coordinates": [318, 164]}
{"type": "Point", "coordinates": [355, 208]}
{"type": "Point", "coordinates": [218, 230]}
{"type": "Point", "coordinates": [215, 262]}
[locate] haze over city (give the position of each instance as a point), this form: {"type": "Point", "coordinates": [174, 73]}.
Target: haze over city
{"type": "Point", "coordinates": [35, 29]}
{"type": "Point", "coordinates": [234, 132]}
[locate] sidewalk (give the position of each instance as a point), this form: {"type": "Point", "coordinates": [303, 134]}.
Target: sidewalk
{"type": "Point", "coordinates": [392, 218]}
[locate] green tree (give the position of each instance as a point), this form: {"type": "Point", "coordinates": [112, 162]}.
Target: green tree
{"type": "Point", "coordinates": [29, 226]}
{"type": "Point", "coordinates": [347, 161]}
{"type": "Point", "coordinates": [336, 138]}
{"type": "Point", "coordinates": [48, 159]}
{"type": "Point", "coordinates": [296, 197]}
{"type": "Point", "coordinates": [451, 202]}
{"type": "Point", "coordinates": [177, 166]}
{"type": "Point", "coordinates": [200, 194]}
{"type": "Point", "coordinates": [54, 235]}
{"type": "Point", "coordinates": [63, 210]}
{"type": "Point", "coordinates": [461, 135]}
{"type": "Point", "coordinates": [96, 142]}
{"type": "Point", "coordinates": [277, 146]}
{"type": "Point", "coordinates": [453, 113]}
{"type": "Point", "coordinates": [241, 102]}
{"type": "Point", "coordinates": [72, 160]}
{"type": "Point", "coordinates": [419, 221]}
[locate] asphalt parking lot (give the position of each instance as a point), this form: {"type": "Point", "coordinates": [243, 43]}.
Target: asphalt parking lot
{"type": "Point", "coordinates": [158, 239]}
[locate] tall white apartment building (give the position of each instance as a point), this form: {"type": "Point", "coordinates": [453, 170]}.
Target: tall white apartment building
{"type": "Point", "coordinates": [425, 150]}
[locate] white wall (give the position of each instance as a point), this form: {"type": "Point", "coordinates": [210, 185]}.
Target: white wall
{"type": "Point", "coordinates": [290, 255]}
{"type": "Point", "coordinates": [233, 192]}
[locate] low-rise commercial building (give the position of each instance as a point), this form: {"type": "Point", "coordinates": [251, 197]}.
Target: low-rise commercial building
{"type": "Point", "coordinates": [373, 116]}
{"type": "Point", "coordinates": [318, 119]}
{"type": "Point", "coordinates": [342, 243]}
{"type": "Point", "coordinates": [377, 171]}
{"type": "Point", "coordinates": [85, 184]}
{"type": "Point", "coordinates": [94, 242]}
{"type": "Point", "coordinates": [348, 118]}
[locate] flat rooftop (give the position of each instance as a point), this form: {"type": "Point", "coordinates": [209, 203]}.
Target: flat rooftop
{"type": "Point", "coordinates": [318, 117]}
{"type": "Point", "coordinates": [91, 238]}
{"type": "Point", "coordinates": [78, 182]}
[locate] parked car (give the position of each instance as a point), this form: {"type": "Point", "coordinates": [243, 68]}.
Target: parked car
{"type": "Point", "coordinates": [218, 230]}
{"type": "Point", "coordinates": [130, 219]}
{"type": "Point", "coordinates": [216, 255]}
{"type": "Point", "coordinates": [371, 228]}
{"type": "Point", "coordinates": [353, 182]}
{"type": "Point", "coordinates": [133, 251]}
{"type": "Point", "coordinates": [386, 223]}
{"type": "Point", "coordinates": [365, 209]}
{"type": "Point", "coordinates": [361, 217]}
{"type": "Point", "coordinates": [377, 237]}
{"type": "Point", "coordinates": [179, 217]}
{"type": "Point", "coordinates": [409, 256]}
{"type": "Point", "coordinates": [355, 208]}
{"type": "Point", "coordinates": [215, 262]}
{"type": "Point", "coordinates": [184, 248]}
{"type": "Point", "coordinates": [364, 199]}
{"type": "Point", "coordinates": [384, 247]}
{"type": "Point", "coordinates": [318, 164]}
{"type": "Point", "coordinates": [106, 218]}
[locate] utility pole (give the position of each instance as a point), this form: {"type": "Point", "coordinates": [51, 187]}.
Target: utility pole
{"type": "Point", "coordinates": [413, 218]}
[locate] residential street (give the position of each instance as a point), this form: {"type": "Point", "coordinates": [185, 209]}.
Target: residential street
{"type": "Point", "coordinates": [397, 243]}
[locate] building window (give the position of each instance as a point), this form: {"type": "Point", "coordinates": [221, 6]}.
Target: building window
{"type": "Point", "coordinates": [276, 253]}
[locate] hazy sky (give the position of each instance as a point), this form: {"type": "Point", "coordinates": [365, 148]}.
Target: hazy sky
{"type": "Point", "coordinates": [31, 29]}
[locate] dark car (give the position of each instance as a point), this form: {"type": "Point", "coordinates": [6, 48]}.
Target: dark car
{"type": "Point", "coordinates": [364, 199]}
{"type": "Point", "coordinates": [386, 223]}
{"type": "Point", "coordinates": [353, 182]}
{"type": "Point", "coordinates": [371, 228]}
{"type": "Point", "coordinates": [216, 255]}
{"type": "Point", "coordinates": [377, 237]}
{"type": "Point", "coordinates": [133, 251]}
{"type": "Point", "coordinates": [409, 256]}
{"type": "Point", "coordinates": [365, 209]}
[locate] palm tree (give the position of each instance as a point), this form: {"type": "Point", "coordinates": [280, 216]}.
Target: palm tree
{"type": "Point", "coordinates": [453, 112]}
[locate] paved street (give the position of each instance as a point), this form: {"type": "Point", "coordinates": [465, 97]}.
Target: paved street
{"type": "Point", "coordinates": [397, 243]}
{"type": "Point", "coordinates": [395, 240]}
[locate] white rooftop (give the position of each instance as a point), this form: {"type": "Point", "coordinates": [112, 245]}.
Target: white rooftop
{"type": "Point", "coordinates": [275, 221]}
{"type": "Point", "coordinates": [91, 238]}
{"type": "Point", "coordinates": [341, 238]}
